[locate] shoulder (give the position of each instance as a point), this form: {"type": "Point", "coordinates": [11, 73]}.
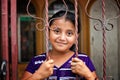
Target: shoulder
{"type": "Point", "coordinates": [35, 62]}
{"type": "Point", "coordinates": [87, 61]}
{"type": "Point", "coordinates": [40, 55]}
{"type": "Point", "coordinates": [39, 58]}
{"type": "Point", "coordinates": [82, 54]}
{"type": "Point", "coordinates": [84, 57]}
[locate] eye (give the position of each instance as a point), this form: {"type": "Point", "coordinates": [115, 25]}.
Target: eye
{"type": "Point", "coordinates": [70, 33]}
{"type": "Point", "coordinates": [56, 31]}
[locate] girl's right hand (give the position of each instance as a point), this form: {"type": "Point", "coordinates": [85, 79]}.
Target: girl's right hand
{"type": "Point", "coordinates": [46, 69]}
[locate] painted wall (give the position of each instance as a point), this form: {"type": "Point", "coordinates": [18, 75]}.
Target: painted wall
{"type": "Point", "coordinates": [112, 39]}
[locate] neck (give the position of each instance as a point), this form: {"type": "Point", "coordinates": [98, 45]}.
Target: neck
{"type": "Point", "coordinates": [58, 53]}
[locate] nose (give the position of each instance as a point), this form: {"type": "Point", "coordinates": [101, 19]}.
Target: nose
{"type": "Point", "coordinates": [62, 36]}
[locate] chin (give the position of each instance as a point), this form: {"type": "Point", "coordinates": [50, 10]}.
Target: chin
{"type": "Point", "coordinates": [62, 50]}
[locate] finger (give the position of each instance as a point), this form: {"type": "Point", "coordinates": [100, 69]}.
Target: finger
{"type": "Point", "coordinates": [73, 63]}
{"type": "Point", "coordinates": [52, 65]}
{"type": "Point", "coordinates": [75, 59]}
{"type": "Point", "coordinates": [72, 68]}
{"type": "Point", "coordinates": [51, 70]}
{"type": "Point", "coordinates": [50, 61]}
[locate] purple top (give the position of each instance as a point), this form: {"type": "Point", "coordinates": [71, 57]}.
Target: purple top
{"type": "Point", "coordinates": [62, 73]}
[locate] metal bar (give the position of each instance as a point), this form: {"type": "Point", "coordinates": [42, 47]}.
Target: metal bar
{"type": "Point", "coordinates": [14, 45]}
{"type": "Point", "coordinates": [104, 39]}
{"type": "Point", "coordinates": [4, 32]}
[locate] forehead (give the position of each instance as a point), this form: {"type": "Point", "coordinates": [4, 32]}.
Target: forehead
{"type": "Point", "coordinates": [63, 23]}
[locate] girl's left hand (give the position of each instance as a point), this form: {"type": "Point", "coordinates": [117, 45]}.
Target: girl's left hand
{"type": "Point", "coordinates": [80, 68]}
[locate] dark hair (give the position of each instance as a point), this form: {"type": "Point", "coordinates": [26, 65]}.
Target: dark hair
{"type": "Point", "coordinates": [69, 16]}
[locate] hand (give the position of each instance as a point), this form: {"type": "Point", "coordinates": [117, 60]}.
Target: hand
{"type": "Point", "coordinates": [80, 68]}
{"type": "Point", "coordinates": [46, 69]}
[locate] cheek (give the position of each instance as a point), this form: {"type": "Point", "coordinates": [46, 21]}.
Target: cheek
{"type": "Point", "coordinates": [72, 40]}
{"type": "Point", "coordinates": [52, 36]}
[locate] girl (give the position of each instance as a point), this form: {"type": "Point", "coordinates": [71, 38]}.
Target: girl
{"type": "Point", "coordinates": [63, 63]}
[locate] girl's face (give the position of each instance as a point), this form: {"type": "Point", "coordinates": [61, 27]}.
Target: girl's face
{"type": "Point", "coordinates": [62, 35]}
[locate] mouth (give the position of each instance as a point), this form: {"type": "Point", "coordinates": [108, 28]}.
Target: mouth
{"type": "Point", "coordinates": [61, 43]}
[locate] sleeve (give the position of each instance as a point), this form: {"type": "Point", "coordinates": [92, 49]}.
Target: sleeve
{"type": "Point", "coordinates": [30, 67]}
{"type": "Point", "coordinates": [90, 64]}
{"type": "Point", "coordinates": [87, 61]}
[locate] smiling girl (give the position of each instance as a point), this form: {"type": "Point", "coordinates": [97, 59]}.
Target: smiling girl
{"type": "Point", "coordinates": [63, 63]}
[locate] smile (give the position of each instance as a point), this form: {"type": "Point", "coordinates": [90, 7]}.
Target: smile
{"type": "Point", "coordinates": [61, 43]}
